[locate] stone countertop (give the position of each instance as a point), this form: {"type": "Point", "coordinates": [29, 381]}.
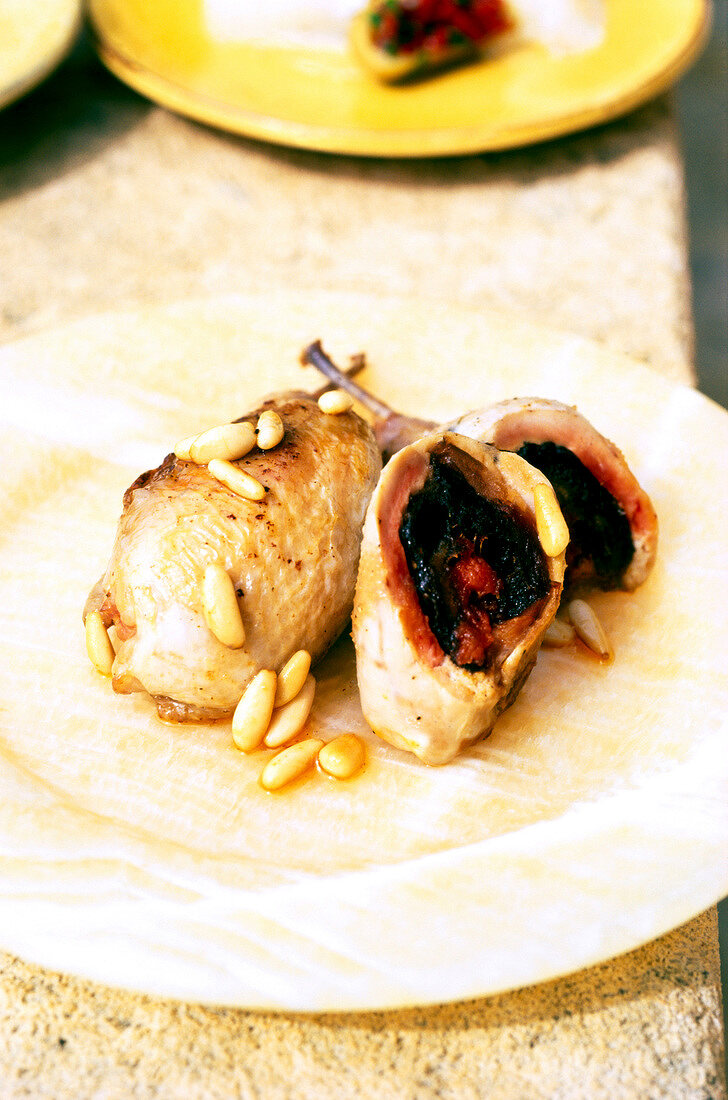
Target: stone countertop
{"type": "Point", "coordinates": [107, 201]}
{"type": "Point", "coordinates": [646, 1025]}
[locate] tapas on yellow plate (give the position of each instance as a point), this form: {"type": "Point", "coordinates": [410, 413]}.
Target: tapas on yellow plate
{"type": "Point", "coordinates": [149, 856]}
{"type": "Point", "coordinates": [309, 90]}
{"type": "Point", "coordinates": [34, 38]}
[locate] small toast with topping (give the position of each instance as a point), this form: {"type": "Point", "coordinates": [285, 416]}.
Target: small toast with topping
{"type": "Point", "coordinates": [402, 39]}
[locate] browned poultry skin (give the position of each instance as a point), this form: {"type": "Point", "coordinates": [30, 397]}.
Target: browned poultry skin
{"type": "Point", "coordinates": [292, 558]}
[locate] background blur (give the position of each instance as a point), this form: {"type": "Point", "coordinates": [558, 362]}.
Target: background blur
{"type": "Point", "coordinates": [702, 102]}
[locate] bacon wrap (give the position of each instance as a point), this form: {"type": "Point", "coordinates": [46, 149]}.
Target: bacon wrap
{"type": "Point", "coordinates": [395, 495]}
{"type": "Point", "coordinates": [509, 424]}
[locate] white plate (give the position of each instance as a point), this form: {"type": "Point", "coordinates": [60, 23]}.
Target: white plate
{"type": "Point", "coordinates": [147, 856]}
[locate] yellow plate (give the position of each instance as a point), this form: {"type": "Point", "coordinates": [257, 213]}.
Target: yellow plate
{"type": "Point", "coordinates": [320, 99]}
{"type": "Point", "coordinates": [594, 818]}
{"type": "Point", "coordinates": [34, 38]}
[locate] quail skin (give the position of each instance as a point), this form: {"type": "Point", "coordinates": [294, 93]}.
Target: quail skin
{"type": "Point", "coordinates": [292, 559]}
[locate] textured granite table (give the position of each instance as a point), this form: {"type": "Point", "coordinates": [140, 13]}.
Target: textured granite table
{"type": "Point", "coordinates": [106, 200]}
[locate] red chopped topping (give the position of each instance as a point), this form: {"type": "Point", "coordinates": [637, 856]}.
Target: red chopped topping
{"type": "Point", "coordinates": [410, 26]}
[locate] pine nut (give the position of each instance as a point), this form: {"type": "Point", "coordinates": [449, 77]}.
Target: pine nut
{"type": "Point", "coordinates": [226, 441]}
{"type": "Point", "coordinates": [292, 677]}
{"type": "Point", "coordinates": [558, 633]}
{"type": "Point", "coordinates": [269, 430]}
{"type": "Point", "coordinates": [98, 644]}
{"type": "Point", "coordinates": [290, 719]}
{"type": "Point", "coordinates": [553, 534]}
{"type": "Point", "coordinates": [587, 626]}
{"type": "Point", "coordinates": [342, 757]}
{"type": "Point", "coordinates": [334, 402]}
{"type": "Point", "coordinates": [220, 607]}
{"type": "Point", "coordinates": [288, 764]}
{"type": "Point", "coordinates": [253, 712]}
{"type": "Point", "coordinates": [182, 449]}
{"type": "Point", "coordinates": [236, 480]}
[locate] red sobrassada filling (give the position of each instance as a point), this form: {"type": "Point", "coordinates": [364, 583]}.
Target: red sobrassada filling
{"type": "Point", "coordinates": [433, 26]}
{"type": "Point", "coordinates": [470, 578]}
{"type": "Point", "coordinates": [462, 568]}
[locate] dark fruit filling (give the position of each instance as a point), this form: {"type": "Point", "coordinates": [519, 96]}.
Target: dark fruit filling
{"type": "Point", "coordinates": [599, 529]}
{"type": "Point", "coordinates": [474, 562]}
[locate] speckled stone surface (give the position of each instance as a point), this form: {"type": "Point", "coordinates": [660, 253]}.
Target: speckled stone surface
{"type": "Point", "coordinates": [107, 201]}
{"type": "Point", "coordinates": [644, 1025]}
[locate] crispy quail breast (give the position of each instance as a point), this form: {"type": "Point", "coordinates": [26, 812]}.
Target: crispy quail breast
{"type": "Point", "coordinates": [292, 558]}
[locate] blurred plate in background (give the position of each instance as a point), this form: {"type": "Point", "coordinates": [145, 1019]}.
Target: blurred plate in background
{"type": "Point", "coordinates": [34, 38]}
{"type": "Point", "coordinates": [319, 98]}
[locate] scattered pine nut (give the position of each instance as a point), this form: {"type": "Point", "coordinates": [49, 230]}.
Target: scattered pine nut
{"type": "Point", "coordinates": [220, 607]}
{"type": "Point", "coordinates": [343, 756]}
{"type": "Point", "coordinates": [236, 480]}
{"type": "Point", "coordinates": [292, 677]}
{"type": "Point", "coordinates": [182, 449]}
{"type": "Point", "coordinates": [588, 628]}
{"type": "Point", "coordinates": [290, 719]}
{"type": "Point", "coordinates": [98, 644]}
{"type": "Point", "coordinates": [270, 430]}
{"type": "Point", "coordinates": [253, 712]}
{"type": "Point", "coordinates": [334, 402]}
{"type": "Point", "coordinates": [553, 534]}
{"type": "Point", "coordinates": [558, 633]}
{"type": "Point", "coordinates": [290, 763]}
{"type": "Point", "coordinates": [226, 441]}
